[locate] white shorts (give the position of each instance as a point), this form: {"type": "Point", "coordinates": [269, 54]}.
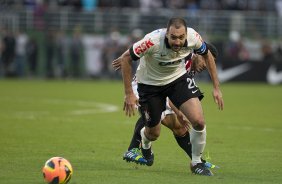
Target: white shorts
{"type": "Point", "coordinates": [168, 108]}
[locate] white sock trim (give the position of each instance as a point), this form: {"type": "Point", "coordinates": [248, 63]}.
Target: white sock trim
{"type": "Point", "coordinates": [145, 142]}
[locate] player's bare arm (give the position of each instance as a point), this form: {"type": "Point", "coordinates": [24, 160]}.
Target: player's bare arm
{"type": "Point", "coordinates": [211, 67]}
{"type": "Point", "coordinates": [130, 100]}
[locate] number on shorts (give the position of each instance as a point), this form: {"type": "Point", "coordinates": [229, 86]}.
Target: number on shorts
{"type": "Point", "coordinates": [191, 83]}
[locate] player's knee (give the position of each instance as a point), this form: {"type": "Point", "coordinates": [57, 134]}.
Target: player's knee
{"type": "Point", "coordinates": [179, 131]}
{"type": "Point", "coordinates": [199, 124]}
{"type": "Point", "coordinates": [153, 135]}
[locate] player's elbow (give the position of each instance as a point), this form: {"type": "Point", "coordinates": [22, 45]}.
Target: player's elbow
{"type": "Point", "coordinates": [125, 58]}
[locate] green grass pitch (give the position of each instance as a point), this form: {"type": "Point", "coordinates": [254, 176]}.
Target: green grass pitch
{"type": "Point", "coordinates": [83, 121]}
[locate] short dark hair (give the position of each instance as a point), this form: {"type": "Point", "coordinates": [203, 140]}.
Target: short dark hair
{"type": "Point", "coordinates": [177, 22]}
{"type": "Point", "coordinates": [212, 49]}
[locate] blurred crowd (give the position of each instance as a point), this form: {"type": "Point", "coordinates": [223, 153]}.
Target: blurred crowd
{"type": "Point", "coordinates": [57, 54]}
{"type": "Point", "coordinates": [62, 55]}
{"type": "Point", "coordinates": [147, 5]}
{"type": "Point", "coordinates": [77, 54]}
{"type": "Point", "coordinates": [238, 49]}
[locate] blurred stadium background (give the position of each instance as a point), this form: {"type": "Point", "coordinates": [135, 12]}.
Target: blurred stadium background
{"type": "Point", "coordinates": [78, 39]}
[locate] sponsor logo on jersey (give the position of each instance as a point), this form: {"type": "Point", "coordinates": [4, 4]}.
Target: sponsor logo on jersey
{"type": "Point", "coordinates": [143, 46]}
{"type": "Point", "coordinates": [170, 63]}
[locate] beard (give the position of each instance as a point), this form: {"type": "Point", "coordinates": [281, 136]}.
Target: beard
{"type": "Point", "coordinates": [176, 48]}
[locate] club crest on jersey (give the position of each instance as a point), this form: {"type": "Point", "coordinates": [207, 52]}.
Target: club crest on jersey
{"type": "Point", "coordinates": [143, 46]}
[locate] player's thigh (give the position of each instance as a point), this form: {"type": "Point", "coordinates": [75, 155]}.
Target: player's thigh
{"type": "Point", "coordinates": [171, 122]}
{"type": "Point", "coordinates": [151, 110]}
{"type": "Point", "coordinates": [183, 90]}
{"type": "Point", "coordinates": [192, 109]}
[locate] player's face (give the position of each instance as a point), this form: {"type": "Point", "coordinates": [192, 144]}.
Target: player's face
{"type": "Point", "coordinates": [176, 37]}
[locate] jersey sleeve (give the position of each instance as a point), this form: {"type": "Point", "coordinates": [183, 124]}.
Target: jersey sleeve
{"type": "Point", "coordinates": [141, 48]}
{"type": "Point", "coordinates": [200, 46]}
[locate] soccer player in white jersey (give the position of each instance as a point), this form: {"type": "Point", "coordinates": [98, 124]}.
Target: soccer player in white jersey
{"type": "Point", "coordinates": [172, 118]}
{"type": "Point", "coordinates": [161, 74]}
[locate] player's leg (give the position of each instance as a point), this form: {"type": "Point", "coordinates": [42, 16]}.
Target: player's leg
{"type": "Point", "coordinates": [149, 134]}
{"type": "Point", "coordinates": [151, 108]}
{"type": "Point", "coordinates": [179, 125]}
{"type": "Point", "coordinates": [193, 109]}
{"type": "Point", "coordinates": [182, 135]}
{"type": "Point", "coordinates": [185, 96]}
{"type": "Point", "coordinates": [136, 137]}
{"type": "Point", "coordinates": [133, 154]}
{"type": "Point", "coordinates": [180, 132]}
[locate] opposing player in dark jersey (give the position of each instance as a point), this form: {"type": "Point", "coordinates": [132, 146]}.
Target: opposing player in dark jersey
{"type": "Point", "coordinates": [171, 118]}
{"type": "Point", "coordinates": [161, 74]}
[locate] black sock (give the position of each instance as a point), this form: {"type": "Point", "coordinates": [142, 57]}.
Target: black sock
{"type": "Point", "coordinates": [185, 144]}
{"type": "Point", "coordinates": [146, 152]}
{"type": "Point", "coordinates": [136, 138]}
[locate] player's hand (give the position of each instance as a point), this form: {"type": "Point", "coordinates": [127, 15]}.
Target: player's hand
{"type": "Point", "coordinates": [217, 96]}
{"type": "Point", "coordinates": [130, 103]}
{"type": "Point", "coordinates": [116, 64]}
{"type": "Point", "coordinates": [198, 64]}
{"type": "Point", "coordinates": [183, 120]}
